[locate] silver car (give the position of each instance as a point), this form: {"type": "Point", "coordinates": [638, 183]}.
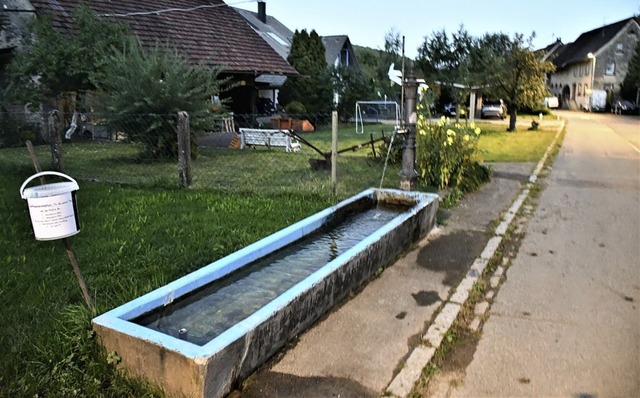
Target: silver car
{"type": "Point", "coordinates": [493, 109]}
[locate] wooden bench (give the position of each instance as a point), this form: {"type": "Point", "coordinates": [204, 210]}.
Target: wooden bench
{"type": "Point", "coordinates": [268, 138]}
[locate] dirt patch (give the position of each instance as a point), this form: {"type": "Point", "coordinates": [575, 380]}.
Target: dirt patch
{"type": "Point", "coordinates": [452, 254]}
{"type": "Point", "coordinates": [273, 384]}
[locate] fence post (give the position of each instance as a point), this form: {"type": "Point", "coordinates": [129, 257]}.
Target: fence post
{"type": "Point", "coordinates": [408, 173]}
{"type": "Point", "coordinates": [54, 133]}
{"type": "Point", "coordinates": [334, 153]}
{"type": "Point", "coordinates": [184, 149]}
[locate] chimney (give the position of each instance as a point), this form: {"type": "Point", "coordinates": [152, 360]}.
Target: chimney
{"type": "Point", "coordinates": [262, 11]}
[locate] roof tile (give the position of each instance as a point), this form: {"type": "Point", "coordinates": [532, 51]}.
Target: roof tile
{"type": "Point", "coordinates": [206, 31]}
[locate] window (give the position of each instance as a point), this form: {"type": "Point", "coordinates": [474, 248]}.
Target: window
{"type": "Point", "coordinates": [619, 48]}
{"type": "Point", "coordinates": [278, 39]}
{"type": "Point", "coordinates": [579, 90]}
{"type": "Point", "coordinates": [610, 70]}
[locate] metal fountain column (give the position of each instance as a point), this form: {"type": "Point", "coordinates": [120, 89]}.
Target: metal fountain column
{"type": "Point", "coordinates": [408, 174]}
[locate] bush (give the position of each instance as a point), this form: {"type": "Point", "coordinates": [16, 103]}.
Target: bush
{"type": "Point", "coordinates": [143, 90]}
{"type": "Point", "coordinates": [15, 132]}
{"type": "Point", "coordinates": [295, 107]}
{"type": "Point", "coordinates": [447, 155]}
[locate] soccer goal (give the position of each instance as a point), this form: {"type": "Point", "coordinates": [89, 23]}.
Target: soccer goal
{"type": "Point", "coordinates": [387, 112]}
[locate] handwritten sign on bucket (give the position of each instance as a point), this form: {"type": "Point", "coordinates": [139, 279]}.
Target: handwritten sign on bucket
{"type": "Point", "coordinates": [52, 207]}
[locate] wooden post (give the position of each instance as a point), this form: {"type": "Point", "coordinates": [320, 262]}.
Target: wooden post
{"type": "Point", "coordinates": [65, 241]}
{"type": "Point", "coordinates": [53, 125]}
{"type": "Point", "coordinates": [373, 146]}
{"type": "Point", "coordinates": [334, 153]}
{"type": "Point", "coordinates": [184, 150]}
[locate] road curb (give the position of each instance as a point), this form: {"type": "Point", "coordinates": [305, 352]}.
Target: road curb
{"type": "Point", "coordinates": [404, 381]}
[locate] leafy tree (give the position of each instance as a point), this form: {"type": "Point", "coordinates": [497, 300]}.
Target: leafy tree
{"type": "Point", "coordinates": [448, 60]}
{"type": "Point", "coordinates": [631, 83]}
{"type": "Point", "coordinates": [57, 62]}
{"type": "Point", "coordinates": [313, 87]}
{"type": "Point", "coordinates": [143, 90]}
{"type": "Point", "coordinates": [512, 71]}
{"type": "Point", "coordinates": [351, 87]}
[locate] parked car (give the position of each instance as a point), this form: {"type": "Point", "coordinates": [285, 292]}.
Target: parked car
{"type": "Point", "coordinates": [453, 110]}
{"type": "Point", "coordinates": [493, 109]}
{"type": "Point", "coordinates": [450, 109]}
{"type": "Point", "coordinates": [624, 107]}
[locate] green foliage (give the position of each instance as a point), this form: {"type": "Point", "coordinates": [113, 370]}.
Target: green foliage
{"type": "Point", "coordinates": [514, 72]}
{"type": "Point", "coordinates": [66, 61]}
{"type": "Point", "coordinates": [375, 66]}
{"type": "Point", "coordinates": [631, 82]}
{"type": "Point", "coordinates": [447, 154]}
{"type": "Point", "coordinates": [313, 88]}
{"type": "Point", "coordinates": [351, 87]}
{"type": "Point", "coordinates": [506, 67]}
{"type": "Point", "coordinates": [15, 132]}
{"type": "Point", "coordinates": [295, 108]}
{"type": "Point", "coordinates": [448, 60]}
{"type": "Point", "coordinates": [144, 89]}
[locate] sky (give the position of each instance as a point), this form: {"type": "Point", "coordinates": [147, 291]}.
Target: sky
{"type": "Point", "coordinates": [367, 22]}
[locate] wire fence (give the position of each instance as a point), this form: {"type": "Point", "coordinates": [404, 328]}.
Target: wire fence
{"type": "Point", "coordinates": [252, 154]}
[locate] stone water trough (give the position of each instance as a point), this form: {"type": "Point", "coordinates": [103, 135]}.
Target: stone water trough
{"type": "Point", "coordinates": [202, 334]}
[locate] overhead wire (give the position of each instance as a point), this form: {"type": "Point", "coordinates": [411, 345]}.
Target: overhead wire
{"type": "Point", "coordinates": [175, 9]}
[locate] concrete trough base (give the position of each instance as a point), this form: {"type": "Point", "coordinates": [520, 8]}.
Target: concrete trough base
{"type": "Point", "coordinates": [185, 369]}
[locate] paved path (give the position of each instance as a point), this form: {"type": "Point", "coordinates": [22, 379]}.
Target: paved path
{"type": "Point", "coordinates": [567, 320]}
{"type": "Point", "coordinates": [356, 350]}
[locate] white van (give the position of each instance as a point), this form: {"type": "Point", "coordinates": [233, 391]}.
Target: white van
{"type": "Point", "coordinates": [551, 102]}
{"type": "Point", "coordinates": [597, 101]}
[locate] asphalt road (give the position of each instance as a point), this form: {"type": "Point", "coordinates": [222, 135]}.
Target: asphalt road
{"type": "Point", "coordinates": [567, 320]}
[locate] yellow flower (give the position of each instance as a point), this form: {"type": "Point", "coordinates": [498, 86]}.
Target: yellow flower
{"type": "Point", "coordinates": [422, 132]}
{"type": "Point", "coordinates": [472, 126]}
{"type": "Point", "coordinates": [451, 133]}
{"type": "Point", "coordinates": [442, 121]}
{"type": "Point", "coordinates": [457, 125]}
{"type": "Point", "coordinates": [450, 140]}
{"type": "Point", "coordinates": [477, 130]}
{"type": "Point", "coordinates": [466, 137]}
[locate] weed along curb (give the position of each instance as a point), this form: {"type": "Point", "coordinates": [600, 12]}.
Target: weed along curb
{"type": "Point", "coordinates": [423, 354]}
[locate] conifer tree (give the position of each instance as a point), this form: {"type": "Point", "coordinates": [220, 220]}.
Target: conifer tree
{"type": "Point", "coordinates": [312, 89]}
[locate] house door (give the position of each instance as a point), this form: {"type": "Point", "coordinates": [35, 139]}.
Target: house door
{"type": "Point", "coordinates": [566, 96]}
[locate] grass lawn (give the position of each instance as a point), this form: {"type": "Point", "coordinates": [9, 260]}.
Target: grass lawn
{"type": "Point", "coordinates": [139, 232]}
{"type": "Point", "coordinates": [521, 146]}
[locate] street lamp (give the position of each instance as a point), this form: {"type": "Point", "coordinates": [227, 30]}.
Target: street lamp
{"type": "Point", "coordinates": [593, 75]}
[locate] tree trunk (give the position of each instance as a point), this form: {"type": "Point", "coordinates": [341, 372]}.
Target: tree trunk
{"type": "Point", "coordinates": [512, 119]}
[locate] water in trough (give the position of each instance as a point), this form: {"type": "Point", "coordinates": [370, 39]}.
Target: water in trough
{"type": "Point", "coordinates": [204, 314]}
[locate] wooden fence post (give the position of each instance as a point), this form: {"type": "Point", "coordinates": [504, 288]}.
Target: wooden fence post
{"type": "Point", "coordinates": [184, 150]}
{"type": "Point", "coordinates": [334, 153]}
{"type": "Point", "coordinates": [53, 127]}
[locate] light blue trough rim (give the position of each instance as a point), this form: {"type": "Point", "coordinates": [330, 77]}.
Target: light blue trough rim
{"type": "Point", "coordinates": [118, 318]}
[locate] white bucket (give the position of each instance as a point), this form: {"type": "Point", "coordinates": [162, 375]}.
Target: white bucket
{"type": "Point", "coordinates": [52, 207]}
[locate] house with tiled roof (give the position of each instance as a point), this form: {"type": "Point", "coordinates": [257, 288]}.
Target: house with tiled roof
{"type": "Point", "coordinates": [205, 31]}
{"type": "Point", "coordinates": [596, 60]}
{"type": "Point", "coordinates": [338, 49]}
{"type": "Point", "coordinates": [276, 35]}
{"type": "Point", "coordinates": [339, 52]}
